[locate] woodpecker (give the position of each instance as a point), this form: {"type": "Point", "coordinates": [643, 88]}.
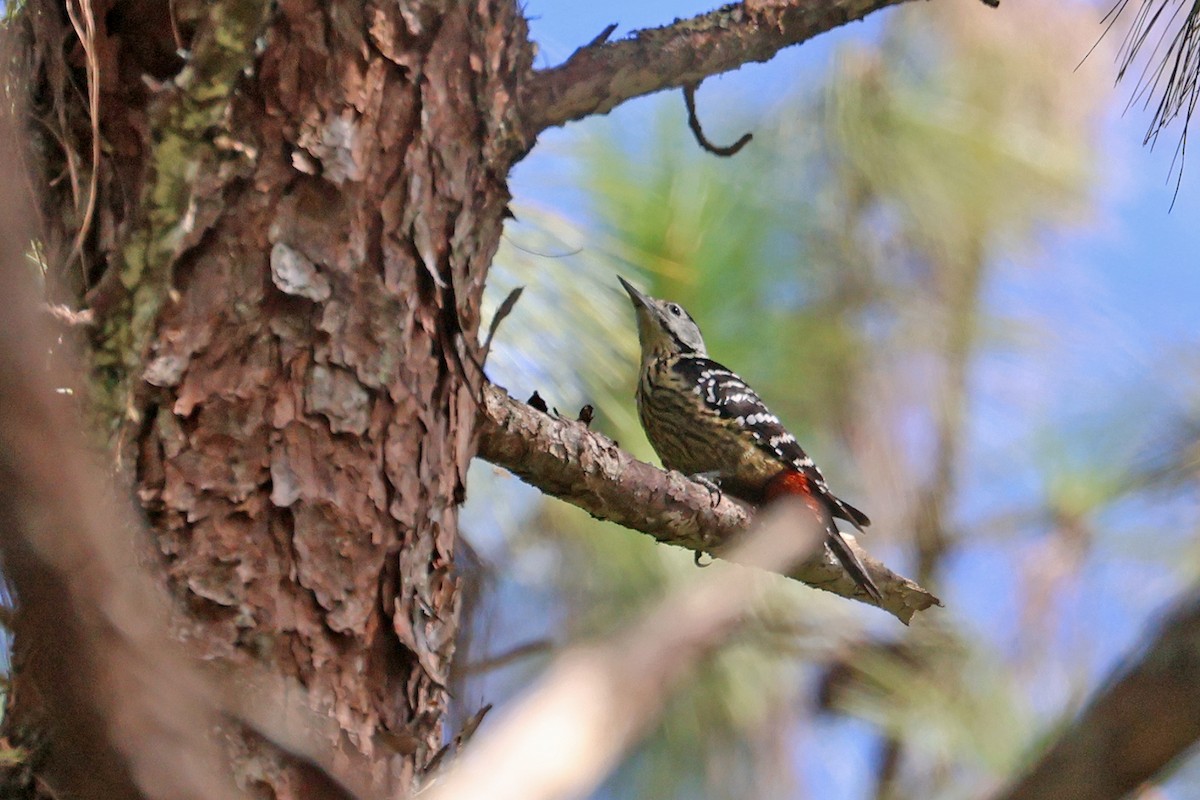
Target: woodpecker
{"type": "Point", "coordinates": [703, 420]}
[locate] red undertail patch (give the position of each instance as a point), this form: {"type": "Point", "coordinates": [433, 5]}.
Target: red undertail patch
{"type": "Point", "coordinates": [794, 483]}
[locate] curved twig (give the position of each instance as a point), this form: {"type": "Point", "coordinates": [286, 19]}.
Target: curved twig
{"type": "Point", "coordinates": [689, 100]}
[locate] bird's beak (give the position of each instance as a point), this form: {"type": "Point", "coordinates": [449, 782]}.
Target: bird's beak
{"type": "Point", "coordinates": [639, 300]}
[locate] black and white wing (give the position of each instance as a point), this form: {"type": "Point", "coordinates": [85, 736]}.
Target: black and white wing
{"type": "Point", "coordinates": [723, 390]}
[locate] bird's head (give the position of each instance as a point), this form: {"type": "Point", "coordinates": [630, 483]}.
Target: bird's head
{"type": "Point", "coordinates": [664, 327]}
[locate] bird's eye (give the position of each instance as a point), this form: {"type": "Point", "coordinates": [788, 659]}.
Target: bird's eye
{"type": "Point", "coordinates": [675, 309]}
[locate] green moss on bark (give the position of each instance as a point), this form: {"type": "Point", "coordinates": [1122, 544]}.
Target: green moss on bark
{"type": "Point", "coordinates": [188, 120]}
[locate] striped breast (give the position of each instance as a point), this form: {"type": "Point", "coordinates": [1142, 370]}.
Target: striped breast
{"type": "Point", "coordinates": [679, 404]}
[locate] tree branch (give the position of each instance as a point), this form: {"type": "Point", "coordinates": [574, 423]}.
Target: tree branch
{"type": "Point", "coordinates": [566, 460]}
{"type": "Point", "coordinates": [597, 78]}
{"type": "Point", "coordinates": [1132, 729]}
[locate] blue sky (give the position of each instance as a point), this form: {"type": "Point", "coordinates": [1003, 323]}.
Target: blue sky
{"type": "Point", "coordinates": [1124, 293]}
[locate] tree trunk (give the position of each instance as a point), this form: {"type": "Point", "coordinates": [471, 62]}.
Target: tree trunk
{"type": "Point", "coordinates": [295, 205]}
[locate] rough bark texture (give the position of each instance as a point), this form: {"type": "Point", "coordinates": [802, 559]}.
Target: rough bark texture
{"type": "Point", "coordinates": [587, 469]}
{"type": "Point", "coordinates": [287, 278]}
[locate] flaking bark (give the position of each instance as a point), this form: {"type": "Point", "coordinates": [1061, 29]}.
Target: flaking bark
{"type": "Point", "coordinates": [567, 460]}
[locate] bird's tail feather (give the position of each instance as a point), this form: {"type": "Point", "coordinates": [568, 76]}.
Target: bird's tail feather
{"type": "Point", "coordinates": [852, 564]}
{"type": "Point", "coordinates": [844, 510]}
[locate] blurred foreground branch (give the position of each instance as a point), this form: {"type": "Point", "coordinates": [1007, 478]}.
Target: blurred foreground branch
{"type": "Point", "coordinates": [596, 701]}
{"type": "Point", "coordinates": [600, 76]}
{"type": "Point", "coordinates": [587, 469]}
{"type": "Point", "coordinates": [127, 715]}
{"type": "Point", "coordinates": [1148, 715]}
{"type": "Point", "coordinates": [115, 705]}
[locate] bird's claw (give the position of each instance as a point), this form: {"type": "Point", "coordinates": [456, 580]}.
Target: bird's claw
{"type": "Point", "coordinates": [699, 554]}
{"type": "Point", "coordinates": [714, 490]}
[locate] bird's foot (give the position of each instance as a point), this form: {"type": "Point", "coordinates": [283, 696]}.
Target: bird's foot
{"type": "Point", "coordinates": [707, 480]}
